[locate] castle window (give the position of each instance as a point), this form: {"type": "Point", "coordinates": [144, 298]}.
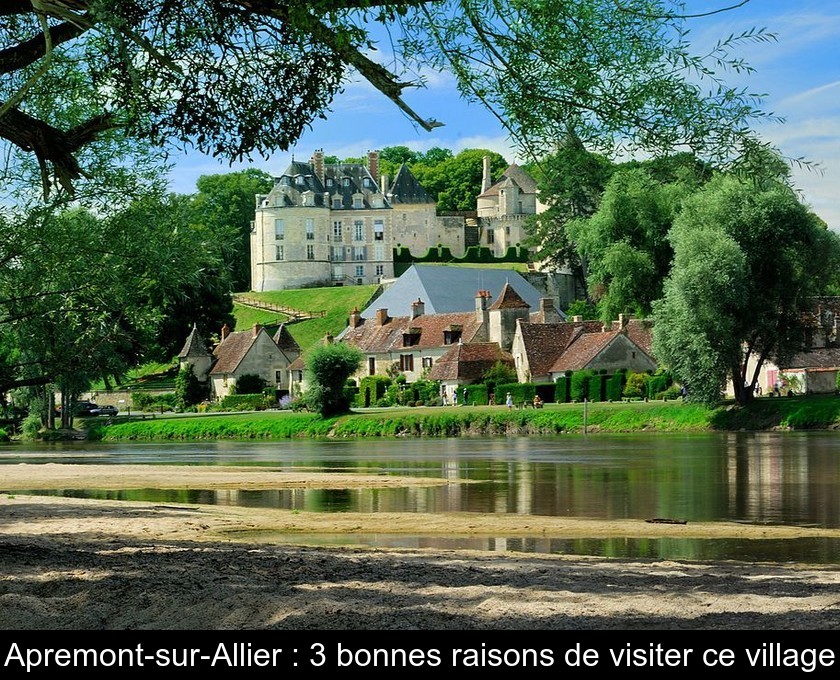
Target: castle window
{"type": "Point", "coordinates": [310, 229]}
{"type": "Point", "coordinates": [359, 231]}
{"type": "Point", "coordinates": [278, 377]}
{"type": "Point", "coordinates": [329, 181]}
{"type": "Point", "coordinates": [337, 230]}
{"type": "Point", "coordinates": [300, 180]}
{"type": "Point", "coordinates": [378, 230]}
{"type": "Point", "coordinates": [359, 253]}
{"type": "Point", "coordinates": [358, 203]}
{"type": "Point", "coordinates": [279, 253]}
{"type": "Point", "coordinates": [360, 270]}
{"type": "Point", "coordinates": [378, 252]}
{"type": "Point", "coordinates": [279, 230]}
{"type": "Point", "coordinates": [380, 270]}
{"type": "Point", "coordinates": [336, 202]}
{"type": "Point", "coordinates": [346, 181]}
{"type": "Point", "coordinates": [310, 252]}
{"type": "Point", "coordinates": [491, 237]}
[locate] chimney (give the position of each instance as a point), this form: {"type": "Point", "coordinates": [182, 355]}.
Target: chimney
{"type": "Point", "coordinates": [383, 184]}
{"type": "Point", "coordinates": [577, 319]}
{"type": "Point", "coordinates": [482, 302]}
{"type": "Point", "coordinates": [622, 321]}
{"type": "Point", "coordinates": [257, 329]}
{"type": "Point", "coordinates": [317, 162]}
{"type": "Point", "coordinates": [546, 305]}
{"type": "Point", "coordinates": [486, 179]}
{"type": "Point", "coordinates": [373, 165]}
{"type": "Point", "coordinates": [355, 318]}
{"type": "Point", "coordinates": [417, 308]}
{"type": "Point", "coordinates": [381, 317]}
{"type": "Point", "coordinates": [225, 332]}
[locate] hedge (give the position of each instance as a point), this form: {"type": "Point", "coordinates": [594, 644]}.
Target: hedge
{"type": "Point", "coordinates": [615, 387]}
{"type": "Point", "coordinates": [561, 390]}
{"type": "Point", "coordinates": [595, 387]}
{"type": "Point", "coordinates": [477, 394]}
{"type": "Point", "coordinates": [659, 382]}
{"type": "Point", "coordinates": [579, 385]}
{"type": "Point", "coordinates": [472, 255]}
{"type": "Point", "coordinates": [371, 389]}
{"type": "Point", "coordinates": [520, 392]}
{"type": "Point", "coordinates": [244, 402]}
{"type": "Point", "coordinates": [144, 401]}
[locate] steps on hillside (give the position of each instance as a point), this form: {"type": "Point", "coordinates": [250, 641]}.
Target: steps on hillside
{"type": "Point", "coordinates": [293, 314]}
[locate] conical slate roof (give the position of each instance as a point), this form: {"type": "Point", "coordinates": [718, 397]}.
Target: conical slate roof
{"type": "Point", "coordinates": [406, 189]}
{"type": "Point", "coordinates": [194, 346]}
{"type": "Point", "coordinates": [509, 299]}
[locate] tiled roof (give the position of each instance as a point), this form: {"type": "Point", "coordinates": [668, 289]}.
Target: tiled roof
{"type": "Point", "coordinates": [583, 348]}
{"type": "Point", "coordinates": [823, 357]}
{"type": "Point", "coordinates": [284, 340]}
{"type": "Point", "coordinates": [509, 299]}
{"type": "Point", "coordinates": [469, 361]}
{"type": "Point", "coordinates": [230, 351]}
{"type": "Point", "coordinates": [298, 364]}
{"type": "Point", "coordinates": [369, 336]}
{"type": "Point", "coordinates": [194, 346]}
{"type": "Point", "coordinates": [640, 331]}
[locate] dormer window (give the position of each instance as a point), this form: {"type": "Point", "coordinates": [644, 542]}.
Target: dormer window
{"type": "Point", "coordinates": [452, 334]}
{"type": "Point", "coordinates": [358, 202]}
{"type": "Point", "coordinates": [336, 202]}
{"type": "Point", "coordinates": [300, 180]}
{"type": "Point", "coordinates": [330, 182]}
{"type": "Point", "coordinates": [411, 337]}
{"type": "Point", "coordinates": [368, 183]}
{"type": "Point", "coordinates": [346, 182]}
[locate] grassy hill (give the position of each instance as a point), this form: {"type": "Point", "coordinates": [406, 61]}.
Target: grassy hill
{"type": "Point", "coordinates": [336, 302]}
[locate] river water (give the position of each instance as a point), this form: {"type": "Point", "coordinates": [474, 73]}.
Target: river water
{"type": "Point", "coordinates": [756, 478]}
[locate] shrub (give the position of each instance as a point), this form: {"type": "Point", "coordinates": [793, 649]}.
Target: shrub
{"type": "Point", "coordinates": [477, 394]}
{"type": "Point", "coordinates": [143, 401]}
{"type": "Point", "coordinates": [659, 382]}
{"type": "Point", "coordinates": [371, 389]}
{"type": "Point", "coordinates": [579, 385]}
{"type": "Point", "coordinates": [498, 374]}
{"type": "Point", "coordinates": [329, 367]}
{"type": "Point", "coordinates": [636, 385]}
{"type": "Point", "coordinates": [245, 402]}
{"type": "Point", "coordinates": [615, 387]}
{"type": "Point", "coordinates": [561, 390]}
{"type": "Point", "coordinates": [595, 386]}
{"type": "Point", "coordinates": [520, 392]}
{"type": "Point", "coordinates": [249, 383]}
{"type": "Point", "coordinates": [188, 389]}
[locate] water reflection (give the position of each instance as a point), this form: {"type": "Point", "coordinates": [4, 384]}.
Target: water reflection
{"type": "Point", "coordinates": [765, 478]}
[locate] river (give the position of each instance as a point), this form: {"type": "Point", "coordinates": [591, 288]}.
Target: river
{"type": "Point", "coordinates": [757, 478]}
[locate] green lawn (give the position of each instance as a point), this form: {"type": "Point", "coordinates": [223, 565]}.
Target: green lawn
{"type": "Point", "coordinates": [337, 302]}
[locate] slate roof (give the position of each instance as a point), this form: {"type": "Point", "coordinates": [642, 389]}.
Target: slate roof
{"type": "Point", "coordinates": [300, 177]}
{"type": "Point", "coordinates": [514, 175]}
{"type": "Point", "coordinates": [448, 289]}
{"type": "Point", "coordinates": [284, 340]}
{"type": "Point", "coordinates": [372, 337]}
{"type": "Point", "coordinates": [194, 346]}
{"type": "Point", "coordinates": [405, 189]}
{"type": "Point", "coordinates": [469, 362]}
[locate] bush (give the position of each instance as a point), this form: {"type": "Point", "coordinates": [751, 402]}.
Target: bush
{"type": "Point", "coordinates": [249, 383]}
{"type": "Point", "coordinates": [245, 402]}
{"type": "Point", "coordinates": [329, 367]}
{"type": "Point", "coordinates": [595, 386]}
{"type": "Point", "coordinates": [371, 389]}
{"type": "Point", "coordinates": [636, 385]}
{"type": "Point", "coordinates": [477, 394]}
{"type": "Point", "coordinates": [521, 392]}
{"type": "Point", "coordinates": [615, 387]}
{"type": "Point", "coordinates": [659, 382]}
{"type": "Point", "coordinates": [579, 385]}
{"type": "Point", "coordinates": [189, 391]}
{"type": "Point", "coordinates": [143, 401]}
{"type": "Point", "coordinates": [561, 390]}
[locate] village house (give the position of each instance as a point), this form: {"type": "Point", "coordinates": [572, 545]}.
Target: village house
{"type": "Point", "coordinates": [543, 352]}
{"type": "Point", "coordinates": [413, 344]}
{"type": "Point", "coordinates": [251, 352]}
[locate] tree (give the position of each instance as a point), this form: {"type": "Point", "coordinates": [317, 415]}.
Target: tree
{"type": "Point", "coordinates": [248, 76]}
{"type": "Point", "coordinates": [189, 390]}
{"type": "Point", "coordinates": [747, 258]}
{"type": "Point", "coordinates": [455, 182]}
{"type": "Point", "coordinates": [328, 368]}
{"type": "Point", "coordinates": [570, 183]}
{"type": "Point", "coordinates": [624, 245]}
{"type": "Point", "coordinates": [224, 204]}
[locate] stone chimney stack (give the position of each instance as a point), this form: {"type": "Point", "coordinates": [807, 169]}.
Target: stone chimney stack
{"type": "Point", "coordinates": [257, 329]}
{"type": "Point", "coordinates": [417, 308]}
{"type": "Point", "coordinates": [225, 332]}
{"type": "Point", "coordinates": [317, 162]}
{"type": "Point", "coordinates": [383, 184]}
{"type": "Point", "coordinates": [547, 305]}
{"type": "Point", "coordinates": [577, 319]}
{"type": "Point", "coordinates": [482, 304]}
{"type": "Point", "coordinates": [381, 317]}
{"type": "Point", "coordinates": [355, 318]}
{"type": "Point", "coordinates": [373, 165]}
{"type": "Point", "coordinates": [486, 177]}
{"type": "Point", "coordinates": [622, 321]}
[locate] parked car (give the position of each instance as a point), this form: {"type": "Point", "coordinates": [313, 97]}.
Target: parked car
{"type": "Point", "coordinates": [104, 411]}
{"type": "Point", "coordinates": [85, 408]}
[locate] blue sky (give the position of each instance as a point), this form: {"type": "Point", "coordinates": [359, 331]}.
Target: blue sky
{"type": "Point", "coordinates": [799, 73]}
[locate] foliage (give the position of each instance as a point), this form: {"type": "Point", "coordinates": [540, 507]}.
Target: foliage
{"type": "Point", "coordinates": [371, 389]}
{"type": "Point", "coordinates": [144, 401]}
{"type": "Point", "coordinates": [521, 392]}
{"type": "Point", "coordinates": [455, 182]}
{"type": "Point", "coordinates": [582, 308]}
{"type": "Point", "coordinates": [625, 242]}
{"type": "Point", "coordinates": [224, 205]}
{"type": "Point", "coordinates": [245, 402]}
{"type": "Point", "coordinates": [658, 383]}
{"type": "Point", "coordinates": [328, 368]}
{"type": "Point", "coordinates": [636, 385]}
{"type": "Point", "coordinates": [729, 299]}
{"type": "Point", "coordinates": [249, 383]}
{"type": "Point", "coordinates": [579, 385]}
{"type": "Point", "coordinates": [189, 390]}
{"type": "Point", "coordinates": [595, 387]}
{"type": "Point", "coordinates": [498, 374]}
{"type": "Point", "coordinates": [615, 387]}
{"type": "Point", "coordinates": [561, 390]}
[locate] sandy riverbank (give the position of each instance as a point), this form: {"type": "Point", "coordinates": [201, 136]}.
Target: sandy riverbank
{"type": "Point", "coordinates": [82, 564]}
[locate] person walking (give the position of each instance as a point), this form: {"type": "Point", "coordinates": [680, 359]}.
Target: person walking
{"type": "Point", "coordinates": [509, 400]}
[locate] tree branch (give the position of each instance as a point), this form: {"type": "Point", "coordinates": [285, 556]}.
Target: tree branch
{"type": "Point", "coordinates": [30, 51]}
